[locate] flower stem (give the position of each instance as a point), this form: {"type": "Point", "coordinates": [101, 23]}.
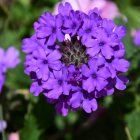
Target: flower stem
{"type": "Point", "coordinates": [128, 133]}
{"type": "Point", "coordinates": [4, 8]}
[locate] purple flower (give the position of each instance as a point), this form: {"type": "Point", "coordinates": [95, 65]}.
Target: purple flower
{"type": "Point", "coordinates": [96, 77]}
{"type": "Point", "coordinates": [117, 65]}
{"type": "Point", "coordinates": [74, 73]}
{"type": "Point", "coordinates": [103, 43]}
{"type": "Point", "coordinates": [8, 59]}
{"type": "Point", "coordinates": [50, 30]}
{"type": "Point", "coordinates": [67, 8]}
{"type": "Point", "coordinates": [121, 82]}
{"type": "Point", "coordinates": [42, 61]}
{"type": "Point", "coordinates": [11, 58]}
{"type": "Point", "coordinates": [72, 23]}
{"type": "Point", "coordinates": [88, 29]}
{"type": "Point", "coordinates": [31, 44]}
{"type": "Point", "coordinates": [62, 106]}
{"type": "Point", "coordinates": [46, 61]}
{"type": "Point", "coordinates": [82, 99]}
{"type": "Point", "coordinates": [89, 105]}
{"type": "Point", "coordinates": [137, 37]}
{"type": "Point", "coordinates": [3, 125]}
{"type": "Point", "coordinates": [57, 84]}
{"type": "Point", "coordinates": [36, 88]}
{"type": "Point", "coordinates": [74, 58]}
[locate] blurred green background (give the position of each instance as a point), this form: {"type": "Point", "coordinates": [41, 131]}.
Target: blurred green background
{"type": "Point", "coordinates": [118, 117]}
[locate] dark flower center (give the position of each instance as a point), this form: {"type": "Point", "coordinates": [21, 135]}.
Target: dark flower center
{"type": "Point", "coordinates": [39, 82]}
{"type": "Point", "coordinates": [88, 30]}
{"type": "Point", "coordinates": [53, 30]}
{"type": "Point", "coordinates": [73, 26]}
{"type": "Point", "coordinates": [75, 75]}
{"type": "Point", "coordinates": [45, 61]}
{"type": "Point", "coordinates": [73, 52]}
{"type": "Point", "coordinates": [110, 60]}
{"type": "Point", "coordinates": [94, 75]}
{"type": "Point", "coordinates": [60, 82]}
{"type": "Point", "coordinates": [101, 43]}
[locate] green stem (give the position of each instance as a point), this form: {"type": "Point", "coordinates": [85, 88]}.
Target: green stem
{"type": "Point", "coordinates": [1, 118]}
{"type": "Point", "coordinates": [4, 8]}
{"type": "Point", "coordinates": [128, 133]}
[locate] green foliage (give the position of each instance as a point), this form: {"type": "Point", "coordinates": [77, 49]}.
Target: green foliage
{"type": "Point", "coordinates": [30, 130]}
{"type": "Point", "coordinates": [133, 122]}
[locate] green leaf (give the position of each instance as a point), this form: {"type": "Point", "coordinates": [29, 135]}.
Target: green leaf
{"type": "Point", "coordinates": [133, 122]}
{"type": "Point", "coordinates": [30, 130]}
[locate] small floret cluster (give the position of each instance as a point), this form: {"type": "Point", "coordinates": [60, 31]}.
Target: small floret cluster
{"type": "Point", "coordinates": [8, 59]}
{"type": "Point", "coordinates": [74, 58]}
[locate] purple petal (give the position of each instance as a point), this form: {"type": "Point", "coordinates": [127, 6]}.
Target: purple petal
{"type": "Point", "coordinates": [104, 73]}
{"type": "Point", "coordinates": [120, 31]}
{"type": "Point", "coordinates": [66, 88]}
{"type": "Point", "coordinates": [71, 68]}
{"type": "Point", "coordinates": [54, 94]}
{"type": "Point", "coordinates": [60, 36]}
{"type": "Point", "coordinates": [11, 58]}
{"type": "Point", "coordinates": [62, 108]}
{"type": "Point", "coordinates": [36, 89]}
{"type": "Point", "coordinates": [39, 53]}
{"type": "Point", "coordinates": [112, 70]}
{"type": "Point", "coordinates": [43, 73]}
{"type": "Point", "coordinates": [121, 82]}
{"type": "Point", "coordinates": [56, 65]}
{"type": "Point", "coordinates": [51, 40]}
{"type": "Point", "coordinates": [100, 83]}
{"type": "Point", "coordinates": [93, 65]}
{"type": "Point", "coordinates": [53, 56]}
{"type": "Point", "coordinates": [89, 105]}
{"type": "Point", "coordinates": [75, 100]}
{"type": "Point", "coordinates": [121, 65]}
{"type": "Point", "coordinates": [43, 32]}
{"type": "Point", "coordinates": [107, 52]}
{"type": "Point", "coordinates": [85, 70]}
{"type": "Point", "coordinates": [50, 84]}
{"type": "Point", "coordinates": [64, 9]}
{"type": "Point", "coordinates": [58, 74]}
{"type": "Point", "coordinates": [91, 43]}
{"type": "Point", "coordinates": [93, 51]}
{"type": "Point", "coordinates": [108, 25]}
{"type": "Point", "coordinates": [89, 84]}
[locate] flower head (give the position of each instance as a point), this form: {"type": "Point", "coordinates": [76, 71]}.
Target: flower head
{"type": "Point", "coordinates": [74, 58]}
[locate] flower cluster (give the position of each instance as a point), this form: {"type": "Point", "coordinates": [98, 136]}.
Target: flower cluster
{"type": "Point", "coordinates": [74, 58]}
{"type": "Point", "coordinates": [8, 59]}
